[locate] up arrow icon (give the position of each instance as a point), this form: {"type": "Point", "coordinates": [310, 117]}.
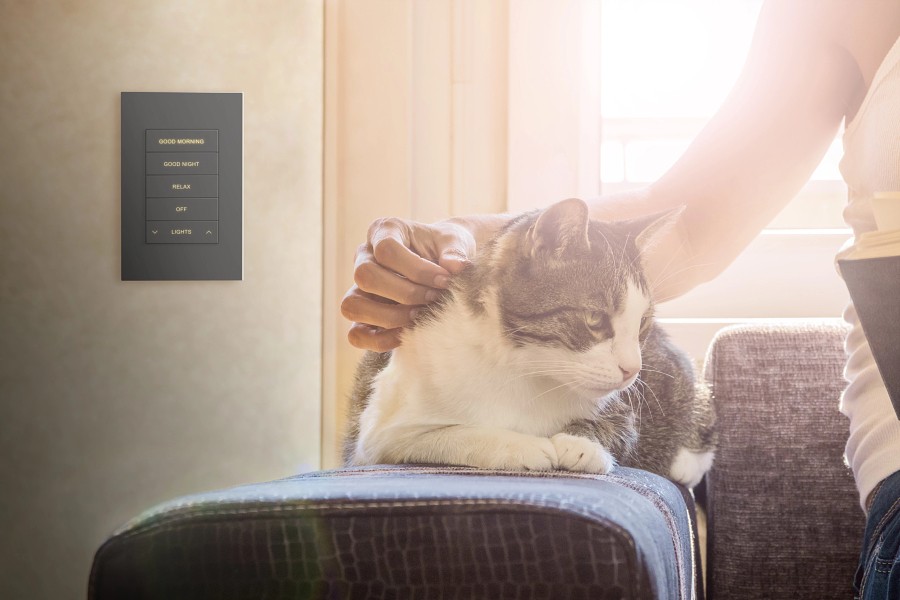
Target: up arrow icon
{"type": "Point", "coordinates": [208, 232]}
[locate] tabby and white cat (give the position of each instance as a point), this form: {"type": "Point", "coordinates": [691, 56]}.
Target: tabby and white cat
{"type": "Point", "coordinates": [533, 361]}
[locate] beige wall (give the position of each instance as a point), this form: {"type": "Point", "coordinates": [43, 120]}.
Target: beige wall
{"type": "Point", "coordinates": [119, 395]}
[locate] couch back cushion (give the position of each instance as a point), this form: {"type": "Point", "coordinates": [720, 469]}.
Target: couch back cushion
{"type": "Point", "coordinates": [784, 517]}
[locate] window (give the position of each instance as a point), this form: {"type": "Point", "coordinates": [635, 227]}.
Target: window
{"type": "Point", "coordinates": [664, 68]}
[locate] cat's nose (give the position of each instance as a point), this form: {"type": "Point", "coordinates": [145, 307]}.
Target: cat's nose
{"type": "Point", "coordinates": [628, 371]}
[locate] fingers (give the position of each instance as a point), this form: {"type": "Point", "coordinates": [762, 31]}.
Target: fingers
{"type": "Point", "coordinates": [371, 338]}
{"type": "Point", "coordinates": [403, 266]}
{"type": "Point", "coordinates": [377, 324]}
{"type": "Point", "coordinates": [390, 241]}
{"type": "Point", "coordinates": [362, 307]}
{"type": "Point", "coordinates": [375, 279]}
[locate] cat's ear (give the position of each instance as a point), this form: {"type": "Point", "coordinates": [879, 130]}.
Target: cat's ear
{"type": "Point", "coordinates": [647, 231]}
{"type": "Point", "coordinates": [560, 228]}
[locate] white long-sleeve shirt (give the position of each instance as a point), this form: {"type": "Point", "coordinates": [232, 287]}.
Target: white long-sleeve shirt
{"type": "Point", "coordinates": [871, 164]}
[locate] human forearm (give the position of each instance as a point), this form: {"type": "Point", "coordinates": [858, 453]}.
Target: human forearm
{"type": "Point", "coordinates": [482, 227]}
{"type": "Point", "coordinates": [758, 150]}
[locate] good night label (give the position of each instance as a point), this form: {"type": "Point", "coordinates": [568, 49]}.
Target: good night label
{"type": "Point", "coordinates": [196, 163]}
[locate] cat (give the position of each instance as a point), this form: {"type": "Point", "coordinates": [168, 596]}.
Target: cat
{"type": "Point", "coordinates": [533, 361]}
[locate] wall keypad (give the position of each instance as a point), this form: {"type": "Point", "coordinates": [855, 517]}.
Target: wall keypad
{"type": "Point", "coordinates": [181, 186]}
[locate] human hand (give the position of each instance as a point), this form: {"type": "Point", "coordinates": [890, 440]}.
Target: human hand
{"type": "Point", "coordinates": [402, 266]}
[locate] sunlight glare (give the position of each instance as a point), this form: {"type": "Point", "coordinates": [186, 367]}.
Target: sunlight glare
{"type": "Point", "coordinates": [661, 58]}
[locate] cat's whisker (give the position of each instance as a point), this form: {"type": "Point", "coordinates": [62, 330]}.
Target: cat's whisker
{"type": "Point", "coordinates": [642, 391]}
{"type": "Point", "coordinates": [548, 370]}
{"type": "Point", "coordinates": [543, 372]}
{"type": "Point", "coordinates": [547, 363]}
{"type": "Point", "coordinates": [551, 369]}
{"type": "Point", "coordinates": [652, 370]}
{"type": "Point", "coordinates": [564, 384]}
{"type": "Point", "coordinates": [631, 403]}
{"type": "Point", "coordinates": [642, 401]}
{"type": "Point", "coordinates": [655, 397]}
{"type": "Point", "coordinates": [544, 361]}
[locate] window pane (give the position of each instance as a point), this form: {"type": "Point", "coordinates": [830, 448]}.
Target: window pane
{"type": "Point", "coordinates": [612, 162]}
{"type": "Point", "coordinates": [663, 64]}
{"type": "Point", "coordinates": [661, 58]}
{"type": "Point", "coordinates": [647, 161]}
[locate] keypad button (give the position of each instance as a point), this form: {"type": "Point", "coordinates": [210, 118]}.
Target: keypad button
{"type": "Point", "coordinates": [182, 140]}
{"type": "Point", "coordinates": [182, 163]}
{"type": "Point", "coordinates": [183, 209]}
{"type": "Point", "coordinates": [182, 186]}
{"type": "Point", "coordinates": [182, 232]}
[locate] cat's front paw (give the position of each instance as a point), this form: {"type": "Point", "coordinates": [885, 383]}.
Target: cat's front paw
{"type": "Point", "coordinates": [575, 453]}
{"type": "Point", "coordinates": [521, 453]}
{"type": "Point", "coordinates": [689, 466]}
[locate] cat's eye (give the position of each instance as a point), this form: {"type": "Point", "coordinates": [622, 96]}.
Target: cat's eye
{"type": "Point", "coordinates": [595, 319]}
{"type": "Point", "coordinates": [645, 324]}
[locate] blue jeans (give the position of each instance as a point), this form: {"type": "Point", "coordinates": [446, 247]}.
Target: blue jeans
{"type": "Point", "coordinates": [878, 575]}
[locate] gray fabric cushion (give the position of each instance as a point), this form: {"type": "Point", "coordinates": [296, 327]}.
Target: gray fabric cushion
{"type": "Point", "coordinates": [411, 532]}
{"type": "Point", "coordinates": [784, 518]}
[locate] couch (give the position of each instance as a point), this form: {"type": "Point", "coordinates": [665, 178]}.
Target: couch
{"type": "Point", "coordinates": [783, 516]}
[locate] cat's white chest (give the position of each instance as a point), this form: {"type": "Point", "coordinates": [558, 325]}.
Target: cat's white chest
{"type": "Point", "coordinates": [461, 374]}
